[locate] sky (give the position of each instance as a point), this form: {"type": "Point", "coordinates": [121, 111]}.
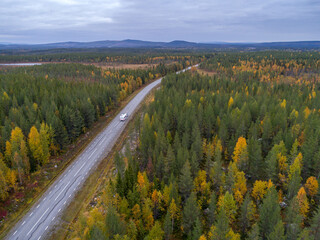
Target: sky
{"type": "Point", "coordinates": [47, 21]}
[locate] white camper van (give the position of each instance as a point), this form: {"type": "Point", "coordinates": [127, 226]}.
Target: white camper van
{"type": "Point", "coordinates": [123, 116]}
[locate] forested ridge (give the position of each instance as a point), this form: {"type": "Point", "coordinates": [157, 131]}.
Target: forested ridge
{"type": "Point", "coordinates": [45, 108]}
{"type": "Point", "coordinates": [131, 56]}
{"type": "Point", "coordinates": [231, 156]}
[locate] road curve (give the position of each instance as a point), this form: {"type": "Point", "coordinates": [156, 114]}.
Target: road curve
{"type": "Point", "coordinates": [42, 216]}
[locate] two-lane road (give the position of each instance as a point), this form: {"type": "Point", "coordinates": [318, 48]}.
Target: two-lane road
{"type": "Point", "coordinates": [42, 216]}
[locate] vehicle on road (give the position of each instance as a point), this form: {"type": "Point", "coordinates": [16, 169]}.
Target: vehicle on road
{"type": "Point", "coordinates": [123, 116]}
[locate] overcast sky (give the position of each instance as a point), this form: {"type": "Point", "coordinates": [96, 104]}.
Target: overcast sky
{"type": "Point", "coordinates": [45, 21]}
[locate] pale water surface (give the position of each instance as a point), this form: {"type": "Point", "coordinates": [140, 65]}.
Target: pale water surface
{"type": "Point", "coordinates": [19, 64]}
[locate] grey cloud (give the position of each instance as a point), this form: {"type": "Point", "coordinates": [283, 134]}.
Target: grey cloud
{"type": "Point", "coordinates": [202, 20]}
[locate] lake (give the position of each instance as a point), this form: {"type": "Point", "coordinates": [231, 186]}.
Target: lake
{"type": "Point", "coordinates": [19, 64]}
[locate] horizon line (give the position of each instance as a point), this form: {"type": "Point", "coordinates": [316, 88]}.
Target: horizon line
{"type": "Point", "coordinates": [176, 40]}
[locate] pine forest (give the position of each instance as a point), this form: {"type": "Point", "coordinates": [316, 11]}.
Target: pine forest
{"type": "Point", "coordinates": [228, 151]}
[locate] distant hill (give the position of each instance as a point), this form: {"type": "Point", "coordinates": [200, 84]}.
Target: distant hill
{"type": "Point", "coordinates": [178, 44]}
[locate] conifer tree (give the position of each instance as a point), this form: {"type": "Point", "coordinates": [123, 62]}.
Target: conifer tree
{"type": "Point", "coordinates": [294, 184]}
{"type": "Point", "coordinates": [190, 213]}
{"type": "Point", "coordinates": [156, 233]}
{"type": "Point", "coordinates": [269, 213]}
{"type": "Point", "coordinates": [197, 230]}
{"type": "Point", "coordinates": [272, 160]}
{"type": "Point", "coordinates": [228, 203]}
{"type": "Point", "coordinates": [221, 227]}
{"type": "Point", "coordinates": [293, 220]}
{"type": "Point", "coordinates": [254, 233]}
{"type": "Point", "coordinates": [247, 214]}
{"type": "Point", "coordinates": [278, 232]}
{"type": "Point", "coordinates": [256, 164]}
{"type": "Point", "coordinates": [306, 235]}
{"type": "Point", "coordinates": [114, 225]}
{"type": "Point", "coordinates": [119, 163]}
{"type": "Point", "coordinates": [169, 163]}
{"type": "Point", "coordinates": [96, 233]}
{"type": "Point", "coordinates": [315, 224]}
{"type": "Point", "coordinates": [185, 181]}
{"type": "Point", "coordinates": [212, 209]}
{"type": "Point", "coordinates": [167, 226]}
{"type": "Point", "coordinates": [216, 170]}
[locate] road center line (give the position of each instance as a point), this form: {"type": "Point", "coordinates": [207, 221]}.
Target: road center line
{"type": "Point", "coordinates": [79, 169]}
{"type": "Point", "coordinates": [92, 153]}
{"type": "Point", "coordinates": [62, 190]}
{"type": "Point", "coordinates": [100, 143]}
{"type": "Point", "coordinates": [37, 222]}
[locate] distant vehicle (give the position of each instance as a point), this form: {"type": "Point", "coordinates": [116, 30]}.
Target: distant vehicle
{"type": "Point", "coordinates": [123, 116]}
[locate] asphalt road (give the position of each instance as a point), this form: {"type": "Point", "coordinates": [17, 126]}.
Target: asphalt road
{"type": "Point", "coordinates": [47, 211]}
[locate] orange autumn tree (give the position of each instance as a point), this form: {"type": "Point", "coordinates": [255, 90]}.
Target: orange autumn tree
{"type": "Point", "coordinates": [173, 211]}
{"type": "Point", "coordinates": [143, 184]}
{"type": "Point", "coordinates": [240, 154]}
{"type": "Point", "coordinates": [283, 168]}
{"type": "Point", "coordinates": [312, 186]}
{"type": "Point", "coordinates": [202, 187]}
{"type": "Point", "coordinates": [230, 103]}
{"type": "Point", "coordinates": [202, 237]}
{"type": "Point", "coordinates": [34, 145]}
{"type": "Point", "coordinates": [303, 202]}
{"type": "Point", "coordinates": [259, 189]}
{"type": "Point", "coordinates": [155, 197]}
{"type": "Point", "coordinates": [283, 104]}
{"type": "Point", "coordinates": [240, 186]}
{"type": "Point", "coordinates": [16, 153]}
{"type": "Point", "coordinates": [147, 214]}
{"type": "Point", "coordinates": [39, 143]}
{"type": "Point", "coordinates": [136, 214]}
{"type": "Point", "coordinates": [296, 166]}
